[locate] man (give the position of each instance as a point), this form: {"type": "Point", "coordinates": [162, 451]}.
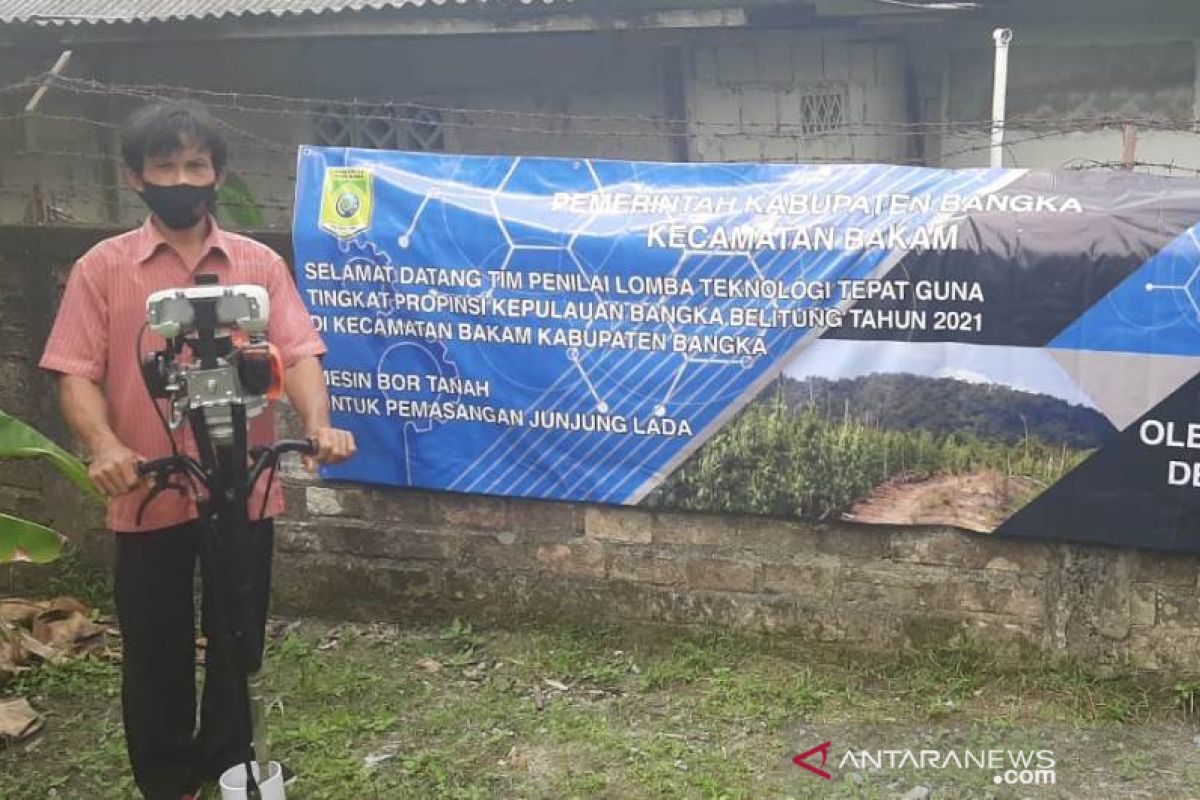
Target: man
{"type": "Point", "coordinates": [175, 154]}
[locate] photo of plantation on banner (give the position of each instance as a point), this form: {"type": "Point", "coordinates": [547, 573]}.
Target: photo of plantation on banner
{"type": "Point", "coordinates": [1006, 351]}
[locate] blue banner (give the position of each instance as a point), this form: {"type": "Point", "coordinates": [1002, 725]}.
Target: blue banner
{"type": "Point", "coordinates": [626, 332]}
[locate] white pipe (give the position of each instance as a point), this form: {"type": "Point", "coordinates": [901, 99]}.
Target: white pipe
{"type": "Point", "coordinates": [55, 71]}
{"type": "Point", "coordinates": [1002, 37]}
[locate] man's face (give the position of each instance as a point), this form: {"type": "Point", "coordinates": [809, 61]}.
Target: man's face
{"type": "Point", "coordinates": [190, 164]}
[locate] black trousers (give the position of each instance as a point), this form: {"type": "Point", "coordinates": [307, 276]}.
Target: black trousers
{"type": "Point", "coordinates": [154, 580]}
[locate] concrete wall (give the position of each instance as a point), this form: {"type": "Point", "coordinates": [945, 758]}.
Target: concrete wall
{"type": "Point", "coordinates": [586, 95]}
{"type": "Point", "coordinates": [370, 552]}
{"type": "Point", "coordinates": [1145, 72]}
{"type": "Point", "coordinates": [75, 183]}
{"type": "Point", "coordinates": [33, 268]}
{"type": "Point", "coordinates": [746, 96]}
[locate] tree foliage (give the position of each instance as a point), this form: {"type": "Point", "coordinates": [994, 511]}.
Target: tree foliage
{"type": "Point", "coordinates": [947, 405]}
{"type": "Point", "coordinates": [815, 459]}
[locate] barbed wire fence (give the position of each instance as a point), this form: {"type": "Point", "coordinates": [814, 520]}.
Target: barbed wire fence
{"type": "Point", "coordinates": [73, 158]}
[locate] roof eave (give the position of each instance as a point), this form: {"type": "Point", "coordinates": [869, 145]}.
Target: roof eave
{"type": "Point", "coordinates": [367, 24]}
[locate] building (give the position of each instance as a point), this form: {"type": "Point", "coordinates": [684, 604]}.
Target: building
{"type": "Point", "coordinates": [1092, 83]}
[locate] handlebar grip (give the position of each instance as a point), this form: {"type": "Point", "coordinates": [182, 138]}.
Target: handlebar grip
{"type": "Point", "coordinates": [305, 447]}
{"type": "Point", "coordinates": [145, 468]}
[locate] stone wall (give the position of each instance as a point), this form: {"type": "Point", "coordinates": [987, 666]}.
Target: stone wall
{"type": "Point", "coordinates": [375, 552]}
{"type": "Point", "coordinates": [372, 552]}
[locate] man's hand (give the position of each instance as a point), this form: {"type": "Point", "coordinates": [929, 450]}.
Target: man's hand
{"type": "Point", "coordinates": [114, 469]}
{"type": "Point", "coordinates": [334, 446]}
{"type": "Point", "coordinates": [305, 384]}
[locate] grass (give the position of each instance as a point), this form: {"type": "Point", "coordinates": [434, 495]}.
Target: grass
{"type": "Point", "coordinates": [561, 712]}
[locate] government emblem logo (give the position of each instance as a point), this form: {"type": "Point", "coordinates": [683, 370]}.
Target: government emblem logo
{"type": "Point", "coordinates": [347, 201]}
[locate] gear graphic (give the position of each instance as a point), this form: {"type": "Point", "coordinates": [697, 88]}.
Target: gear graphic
{"type": "Point", "coordinates": [419, 357]}
{"type": "Point", "coordinates": [416, 357]}
{"type": "Point", "coordinates": [360, 250]}
{"type": "Point", "coordinates": [433, 355]}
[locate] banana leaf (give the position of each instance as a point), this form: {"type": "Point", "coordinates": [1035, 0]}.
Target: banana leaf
{"type": "Point", "coordinates": [236, 205]}
{"type": "Point", "coordinates": [22, 540]}
{"type": "Point", "coordinates": [18, 440]}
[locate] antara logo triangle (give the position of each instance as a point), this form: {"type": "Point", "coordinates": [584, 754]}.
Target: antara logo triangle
{"type": "Point", "coordinates": [802, 760]}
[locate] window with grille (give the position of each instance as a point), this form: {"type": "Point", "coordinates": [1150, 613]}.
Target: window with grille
{"type": "Point", "coordinates": [382, 126]}
{"type": "Point", "coordinates": [822, 108]}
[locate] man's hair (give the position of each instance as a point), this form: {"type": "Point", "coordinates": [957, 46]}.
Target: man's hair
{"type": "Point", "coordinates": [160, 129]}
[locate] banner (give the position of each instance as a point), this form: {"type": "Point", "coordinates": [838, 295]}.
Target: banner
{"type": "Point", "coordinates": [1006, 351]}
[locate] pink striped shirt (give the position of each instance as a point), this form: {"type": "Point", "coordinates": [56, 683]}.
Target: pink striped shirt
{"type": "Point", "coordinates": [95, 336]}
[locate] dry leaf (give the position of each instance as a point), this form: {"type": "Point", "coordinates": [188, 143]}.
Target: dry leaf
{"type": "Point", "coordinates": [517, 759]}
{"type": "Point", "coordinates": [18, 611]}
{"type": "Point", "coordinates": [429, 665]}
{"type": "Point", "coordinates": [45, 630]}
{"type": "Point", "coordinates": [63, 629]}
{"type": "Point", "coordinates": [379, 756]}
{"type": "Point", "coordinates": [277, 629]}
{"type": "Point", "coordinates": [17, 720]}
{"type": "Point", "coordinates": [8, 672]}
{"type": "Point", "coordinates": [70, 604]}
{"type": "Point", "coordinates": [539, 699]}
{"type": "Point", "coordinates": [12, 654]}
{"type": "Point", "coordinates": [42, 651]}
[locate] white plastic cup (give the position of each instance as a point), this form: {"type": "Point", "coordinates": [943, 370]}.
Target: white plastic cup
{"type": "Point", "coordinates": [233, 782]}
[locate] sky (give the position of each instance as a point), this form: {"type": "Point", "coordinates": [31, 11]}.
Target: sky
{"type": "Point", "coordinates": [1028, 369]}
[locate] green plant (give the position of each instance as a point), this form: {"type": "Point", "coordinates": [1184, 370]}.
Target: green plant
{"type": "Point", "coordinates": [461, 635]}
{"type": "Point", "coordinates": [1187, 694]}
{"type": "Point", "coordinates": [1130, 766]}
{"type": "Point", "coordinates": [22, 539]}
{"type": "Point", "coordinates": [780, 460]}
{"type": "Point", "coordinates": [236, 204]}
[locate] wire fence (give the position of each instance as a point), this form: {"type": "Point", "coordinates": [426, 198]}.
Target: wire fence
{"type": "Point", "coordinates": [71, 159]}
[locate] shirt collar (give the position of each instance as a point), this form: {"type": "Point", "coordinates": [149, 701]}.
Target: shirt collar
{"type": "Point", "coordinates": [150, 238]}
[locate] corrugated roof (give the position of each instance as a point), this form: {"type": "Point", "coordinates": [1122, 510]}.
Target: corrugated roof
{"type": "Point", "coordinates": [82, 12]}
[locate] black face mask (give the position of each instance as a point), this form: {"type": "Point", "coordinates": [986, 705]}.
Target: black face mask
{"type": "Point", "coordinates": [180, 206]}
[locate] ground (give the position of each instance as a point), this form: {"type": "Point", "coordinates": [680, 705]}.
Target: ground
{"type": "Point", "coordinates": [461, 711]}
{"type": "Point", "coordinates": [977, 501]}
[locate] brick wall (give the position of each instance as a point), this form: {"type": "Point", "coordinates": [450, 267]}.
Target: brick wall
{"type": "Point", "coordinates": [373, 552]}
